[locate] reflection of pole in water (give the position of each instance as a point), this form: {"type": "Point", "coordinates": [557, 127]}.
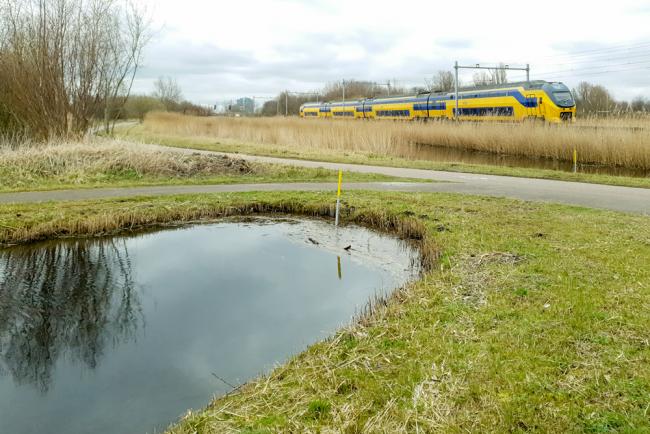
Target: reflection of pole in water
{"type": "Point", "coordinates": [338, 263]}
{"type": "Point", "coordinates": [338, 199]}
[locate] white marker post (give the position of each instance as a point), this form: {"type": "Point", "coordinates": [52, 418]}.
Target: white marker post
{"type": "Point", "coordinates": [338, 198]}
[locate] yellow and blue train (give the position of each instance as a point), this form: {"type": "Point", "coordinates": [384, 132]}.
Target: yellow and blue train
{"type": "Point", "coordinates": [531, 100]}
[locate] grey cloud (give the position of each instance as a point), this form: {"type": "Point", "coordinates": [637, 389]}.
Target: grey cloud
{"type": "Point", "coordinates": [176, 60]}
{"type": "Point", "coordinates": [454, 43]}
{"type": "Point", "coordinates": [208, 72]}
{"type": "Point", "coordinates": [209, 69]}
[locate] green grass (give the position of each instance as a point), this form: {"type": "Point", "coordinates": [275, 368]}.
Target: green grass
{"type": "Point", "coordinates": [223, 145]}
{"type": "Point", "coordinates": [535, 318]}
{"type": "Point", "coordinates": [265, 173]}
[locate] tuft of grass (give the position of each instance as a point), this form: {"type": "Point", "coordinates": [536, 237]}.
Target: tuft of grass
{"type": "Point", "coordinates": [533, 317]}
{"type": "Point", "coordinates": [318, 410]}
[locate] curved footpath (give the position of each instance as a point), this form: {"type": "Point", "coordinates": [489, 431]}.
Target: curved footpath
{"type": "Point", "coordinates": [626, 199]}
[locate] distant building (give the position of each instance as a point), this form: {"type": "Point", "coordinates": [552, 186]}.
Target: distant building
{"type": "Point", "coordinates": [244, 105]}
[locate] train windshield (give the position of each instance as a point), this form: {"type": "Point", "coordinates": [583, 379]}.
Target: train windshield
{"type": "Point", "coordinates": [563, 98]}
{"type": "Point", "coordinates": [560, 94]}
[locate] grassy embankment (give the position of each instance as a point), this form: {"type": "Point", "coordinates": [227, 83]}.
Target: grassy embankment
{"type": "Point", "coordinates": [534, 319]}
{"type": "Point", "coordinates": [105, 163]}
{"type": "Point", "coordinates": [391, 143]}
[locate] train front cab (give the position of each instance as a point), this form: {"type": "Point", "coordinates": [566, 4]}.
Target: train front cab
{"type": "Point", "coordinates": [558, 105]}
{"type": "Point", "coordinates": [551, 102]}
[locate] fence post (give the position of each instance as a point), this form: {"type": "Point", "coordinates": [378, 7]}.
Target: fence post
{"type": "Point", "coordinates": [338, 198]}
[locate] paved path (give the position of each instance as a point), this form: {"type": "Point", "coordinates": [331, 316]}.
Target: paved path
{"type": "Point", "coordinates": [627, 199]}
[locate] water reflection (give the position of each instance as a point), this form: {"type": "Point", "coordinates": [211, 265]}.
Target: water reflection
{"type": "Point", "coordinates": [222, 302]}
{"type": "Point", "coordinates": [338, 266]}
{"type": "Point", "coordinates": [72, 299]}
{"type": "Point", "coordinates": [451, 155]}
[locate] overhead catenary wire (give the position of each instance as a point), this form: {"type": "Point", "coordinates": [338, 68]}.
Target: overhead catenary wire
{"type": "Point", "coordinates": [592, 62]}
{"type": "Point", "coordinates": [609, 69]}
{"type": "Point", "coordinates": [605, 58]}
{"type": "Point", "coordinates": [599, 51]}
{"type": "Point", "coordinates": [593, 68]}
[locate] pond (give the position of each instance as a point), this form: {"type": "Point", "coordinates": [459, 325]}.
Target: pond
{"type": "Point", "coordinates": [125, 334]}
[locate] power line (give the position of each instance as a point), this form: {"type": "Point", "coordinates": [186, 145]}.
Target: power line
{"type": "Point", "coordinates": [592, 68]}
{"type": "Point", "coordinates": [603, 58]}
{"type": "Point", "coordinates": [599, 50]}
{"type": "Point", "coordinates": [613, 71]}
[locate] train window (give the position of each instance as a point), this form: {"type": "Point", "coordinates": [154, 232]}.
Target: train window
{"type": "Point", "coordinates": [541, 100]}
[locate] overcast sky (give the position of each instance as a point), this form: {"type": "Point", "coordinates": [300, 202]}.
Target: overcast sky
{"type": "Point", "coordinates": [219, 50]}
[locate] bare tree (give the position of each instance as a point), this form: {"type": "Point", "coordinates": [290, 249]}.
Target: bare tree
{"type": "Point", "coordinates": [357, 89]}
{"type": "Point", "coordinates": [593, 99]}
{"type": "Point", "coordinates": [62, 61]}
{"type": "Point", "coordinates": [167, 90]}
{"type": "Point", "coordinates": [498, 75]}
{"type": "Point", "coordinates": [639, 104]}
{"type": "Point", "coordinates": [442, 81]}
{"type": "Point", "coordinates": [127, 34]}
{"type": "Point", "coordinates": [481, 78]}
{"type": "Point", "coordinates": [139, 105]}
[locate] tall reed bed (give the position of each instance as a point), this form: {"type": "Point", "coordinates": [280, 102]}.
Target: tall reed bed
{"type": "Point", "coordinates": [612, 143]}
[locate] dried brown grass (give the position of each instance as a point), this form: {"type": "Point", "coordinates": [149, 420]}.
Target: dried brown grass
{"type": "Point", "coordinates": [84, 161]}
{"type": "Point", "coordinates": [613, 143]}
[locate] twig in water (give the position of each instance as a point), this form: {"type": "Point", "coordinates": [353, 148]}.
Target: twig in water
{"type": "Point", "coordinates": [224, 381]}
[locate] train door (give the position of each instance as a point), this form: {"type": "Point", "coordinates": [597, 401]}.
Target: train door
{"type": "Point", "coordinates": [532, 109]}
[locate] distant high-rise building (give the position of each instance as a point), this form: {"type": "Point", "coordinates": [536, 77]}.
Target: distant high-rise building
{"type": "Point", "coordinates": [245, 105]}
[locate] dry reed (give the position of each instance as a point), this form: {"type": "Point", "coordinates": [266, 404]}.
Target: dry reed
{"type": "Point", "coordinates": [80, 161]}
{"type": "Point", "coordinates": [613, 143]}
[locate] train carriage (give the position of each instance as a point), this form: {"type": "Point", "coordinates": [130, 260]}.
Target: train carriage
{"type": "Point", "coordinates": [343, 110]}
{"type": "Point", "coordinates": [538, 100]}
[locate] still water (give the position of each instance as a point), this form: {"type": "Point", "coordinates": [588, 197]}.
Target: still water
{"type": "Point", "coordinates": [451, 155]}
{"type": "Point", "coordinates": [125, 334]}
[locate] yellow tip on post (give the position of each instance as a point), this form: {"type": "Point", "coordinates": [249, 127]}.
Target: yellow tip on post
{"type": "Point", "coordinates": [338, 194]}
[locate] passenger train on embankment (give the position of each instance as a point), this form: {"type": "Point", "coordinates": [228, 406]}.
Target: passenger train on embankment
{"type": "Point", "coordinates": [532, 100]}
